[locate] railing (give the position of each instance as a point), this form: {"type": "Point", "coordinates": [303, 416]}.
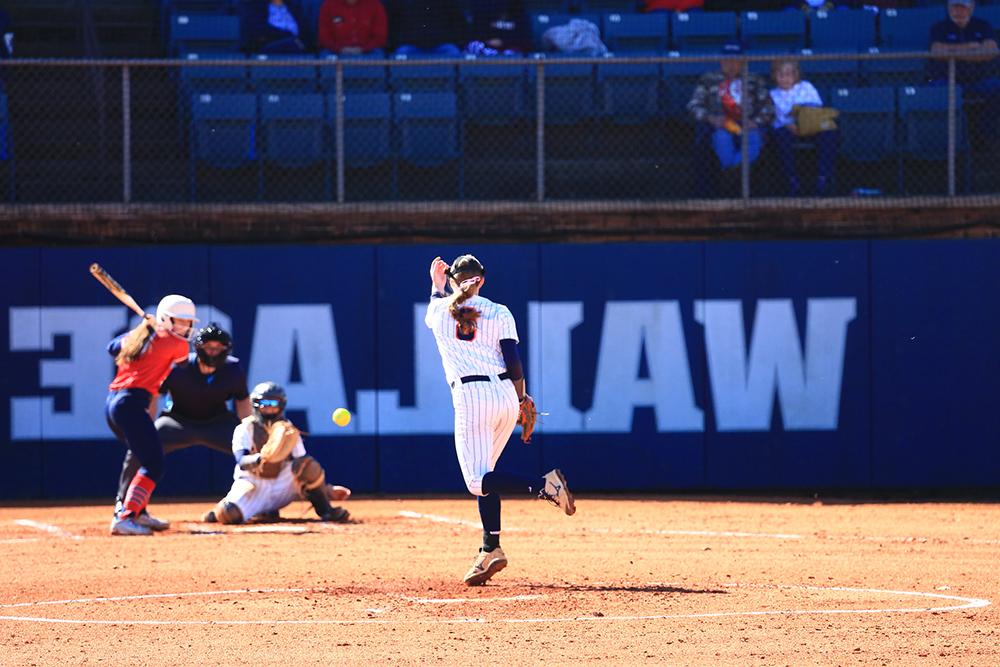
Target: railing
{"type": "Point", "coordinates": [528, 129]}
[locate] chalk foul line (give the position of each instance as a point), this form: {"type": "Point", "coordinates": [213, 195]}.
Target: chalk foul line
{"type": "Point", "coordinates": [48, 528]}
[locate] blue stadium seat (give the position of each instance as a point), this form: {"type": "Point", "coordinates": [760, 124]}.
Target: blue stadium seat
{"type": "Point", "coordinates": [680, 79]}
{"type": "Point", "coordinates": [636, 32]}
{"type": "Point", "coordinates": [427, 124]}
{"type": "Point", "coordinates": [908, 29]}
{"type": "Point", "coordinates": [292, 128]}
{"type": "Point", "coordinates": [542, 21]}
{"type": "Point", "coordinates": [827, 74]}
{"type": "Point", "coordinates": [357, 77]}
{"type": "Point", "coordinates": [774, 31]}
{"type": "Point", "coordinates": [990, 13]}
{"type": "Point", "coordinates": [367, 128]}
{"type": "Point", "coordinates": [867, 122]}
{"type": "Point", "coordinates": [492, 94]}
{"type": "Point", "coordinates": [701, 32]}
{"type": "Point", "coordinates": [213, 78]}
{"type": "Point", "coordinates": [923, 117]}
{"type": "Point", "coordinates": [629, 93]}
{"type": "Point", "coordinates": [204, 33]}
{"type": "Point", "coordinates": [422, 78]}
{"type": "Point", "coordinates": [224, 129]}
{"type": "Point", "coordinates": [608, 6]}
{"type": "Point", "coordinates": [569, 91]}
{"type": "Point", "coordinates": [289, 79]}
{"type": "Point", "coordinates": [843, 30]}
{"type": "Point", "coordinates": [6, 152]}
{"type": "Point", "coordinates": [893, 72]}
{"type": "Point", "coordinates": [548, 6]}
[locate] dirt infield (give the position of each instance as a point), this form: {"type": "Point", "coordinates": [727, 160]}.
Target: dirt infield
{"type": "Point", "coordinates": [624, 581]}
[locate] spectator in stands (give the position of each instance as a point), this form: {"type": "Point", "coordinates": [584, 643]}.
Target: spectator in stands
{"type": "Point", "coordinates": [791, 91]}
{"type": "Point", "coordinates": [672, 5]}
{"type": "Point", "coordinates": [716, 107]}
{"type": "Point", "coordinates": [352, 26]}
{"type": "Point", "coordinates": [498, 27]}
{"type": "Point", "coordinates": [272, 26]}
{"type": "Point", "coordinates": [419, 27]}
{"type": "Point", "coordinates": [972, 42]}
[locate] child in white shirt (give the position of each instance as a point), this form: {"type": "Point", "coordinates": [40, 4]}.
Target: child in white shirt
{"type": "Point", "coordinates": [792, 91]}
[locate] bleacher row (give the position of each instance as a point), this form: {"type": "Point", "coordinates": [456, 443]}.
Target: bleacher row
{"type": "Point", "coordinates": [425, 130]}
{"type": "Point", "coordinates": [697, 32]}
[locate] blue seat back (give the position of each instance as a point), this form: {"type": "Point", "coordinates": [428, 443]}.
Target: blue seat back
{"type": "Point", "coordinates": [774, 31]}
{"type": "Point", "coordinates": [923, 113]}
{"type": "Point", "coordinates": [204, 33]}
{"type": "Point", "coordinates": [293, 128]}
{"type": "Point", "coordinates": [273, 78]}
{"type": "Point", "coordinates": [367, 127]}
{"type": "Point", "coordinates": [430, 78]}
{"type": "Point", "coordinates": [5, 152]}
{"type": "Point", "coordinates": [824, 74]}
{"type": "Point", "coordinates": [224, 128]}
{"type": "Point", "coordinates": [636, 32]}
{"type": "Point", "coordinates": [893, 71]}
{"type": "Point", "coordinates": [629, 93]}
{"type": "Point", "coordinates": [492, 94]}
{"type": "Point", "coordinates": [569, 91]}
{"type": "Point", "coordinates": [427, 124]}
{"type": "Point", "coordinates": [844, 30]}
{"type": "Point", "coordinates": [702, 32]}
{"type": "Point", "coordinates": [357, 76]}
{"type": "Point", "coordinates": [679, 81]}
{"type": "Point", "coordinates": [213, 78]}
{"type": "Point", "coordinates": [867, 122]}
{"type": "Point", "coordinates": [908, 29]}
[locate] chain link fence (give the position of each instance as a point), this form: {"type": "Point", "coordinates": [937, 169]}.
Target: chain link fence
{"type": "Point", "coordinates": [271, 129]}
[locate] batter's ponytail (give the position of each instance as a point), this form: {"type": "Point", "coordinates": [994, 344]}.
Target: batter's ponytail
{"type": "Point", "coordinates": [133, 343]}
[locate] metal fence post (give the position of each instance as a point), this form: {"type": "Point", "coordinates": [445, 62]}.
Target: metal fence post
{"type": "Point", "coordinates": [126, 136]}
{"type": "Point", "coordinates": [952, 134]}
{"type": "Point", "coordinates": [339, 129]}
{"type": "Point", "coordinates": [744, 130]}
{"type": "Point", "coordinates": [540, 131]}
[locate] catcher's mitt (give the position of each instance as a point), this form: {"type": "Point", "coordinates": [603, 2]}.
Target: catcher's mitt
{"type": "Point", "coordinates": [281, 440]}
{"type": "Point", "coordinates": [527, 417]}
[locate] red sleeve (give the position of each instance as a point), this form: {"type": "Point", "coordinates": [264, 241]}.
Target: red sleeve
{"type": "Point", "coordinates": [324, 35]}
{"type": "Point", "coordinates": [377, 36]}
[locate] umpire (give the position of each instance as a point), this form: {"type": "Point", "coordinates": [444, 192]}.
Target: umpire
{"type": "Point", "coordinates": [197, 412]}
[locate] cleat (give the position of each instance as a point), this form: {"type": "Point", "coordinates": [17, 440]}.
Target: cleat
{"type": "Point", "coordinates": [335, 493]}
{"type": "Point", "coordinates": [557, 492]}
{"type": "Point", "coordinates": [336, 515]}
{"type": "Point", "coordinates": [486, 565]}
{"type": "Point", "coordinates": [209, 517]}
{"type": "Point", "coordinates": [273, 516]}
{"type": "Point", "coordinates": [149, 521]}
{"type": "Point", "coordinates": [128, 526]}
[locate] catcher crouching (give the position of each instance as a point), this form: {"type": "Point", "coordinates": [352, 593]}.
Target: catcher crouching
{"type": "Point", "coordinates": [272, 467]}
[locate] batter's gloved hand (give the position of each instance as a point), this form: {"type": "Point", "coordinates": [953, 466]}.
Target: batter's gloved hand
{"type": "Point", "coordinates": [249, 462]}
{"type": "Point", "coordinates": [527, 417]}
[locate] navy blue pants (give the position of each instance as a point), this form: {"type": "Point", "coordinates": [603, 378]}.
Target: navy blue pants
{"type": "Point", "coordinates": [826, 158]}
{"type": "Point", "coordinates": [127, 417]}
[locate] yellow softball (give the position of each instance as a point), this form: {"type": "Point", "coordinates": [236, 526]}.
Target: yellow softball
{"type": "Point", "coordinates": [341, 417]}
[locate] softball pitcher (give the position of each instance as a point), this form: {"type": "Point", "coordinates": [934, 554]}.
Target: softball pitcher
{"type": "Point", "coordinates": [144, 357]}
{"type": "Point", "coordinates": [272, 468]}
{"type": "Point", "coordinates": [477, 339]}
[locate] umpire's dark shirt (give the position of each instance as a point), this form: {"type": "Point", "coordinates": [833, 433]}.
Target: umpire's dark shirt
{"type": "Point", "coordinates": [196, 395]}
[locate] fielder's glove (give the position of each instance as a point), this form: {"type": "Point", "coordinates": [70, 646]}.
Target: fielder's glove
{"type": "Point", "coordinates": [527, 417]}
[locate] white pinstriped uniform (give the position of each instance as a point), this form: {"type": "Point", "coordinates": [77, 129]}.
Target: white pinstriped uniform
{"type": "Point", "coordinates": [485, 412]}
{"type": "Point", "coordinates": [254, 494]}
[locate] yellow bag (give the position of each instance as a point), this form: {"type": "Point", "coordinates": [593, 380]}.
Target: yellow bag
{"type": "Point", "coordinates": [813, 120]}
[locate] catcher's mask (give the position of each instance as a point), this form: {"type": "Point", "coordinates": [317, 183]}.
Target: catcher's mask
{"type": "Point", "coordinates": [268, 395]}
{"type": "Point", "coordinates": [465, 268]}
{"type": "Point", "coordinates": [213, 333]}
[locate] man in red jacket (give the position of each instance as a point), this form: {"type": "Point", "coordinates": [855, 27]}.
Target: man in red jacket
{"type": "Point", "coordinates": [351, 26]}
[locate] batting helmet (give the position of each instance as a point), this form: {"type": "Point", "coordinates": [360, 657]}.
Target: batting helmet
{"type": "Point", "coordinates": [175, 307]}
{"type": "Point", "coordinates": [212, 333]}
{"type": "Point", "coordinates": [268, 395]}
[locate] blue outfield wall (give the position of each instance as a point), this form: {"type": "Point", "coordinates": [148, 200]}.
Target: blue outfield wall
{"type": "Point", "coordinates": [861, 365]}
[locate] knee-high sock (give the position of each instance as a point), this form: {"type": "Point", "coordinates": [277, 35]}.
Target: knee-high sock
{"type": "Point", "coordinates": [138, 494]}
{"type": "Point", "coordinates": [508, 483]}
{"type": "Point", "coordinates": [489, 512]}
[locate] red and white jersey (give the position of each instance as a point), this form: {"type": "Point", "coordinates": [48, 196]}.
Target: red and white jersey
{"type": "Point", "coordinates": [150, 369]}
{"type": "Point", "coordinates": [479, 353]}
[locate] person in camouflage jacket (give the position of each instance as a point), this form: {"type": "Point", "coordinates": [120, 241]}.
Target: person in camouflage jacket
{"type": "Point", "coordinates": [716, 107]}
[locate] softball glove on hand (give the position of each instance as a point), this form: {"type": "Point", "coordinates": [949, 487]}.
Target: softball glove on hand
{"type": "Point", "coordinates": [527, 417]}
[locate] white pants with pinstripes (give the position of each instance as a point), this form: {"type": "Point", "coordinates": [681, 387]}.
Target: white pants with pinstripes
{"type": "Point", "coordinates": [485, 416]}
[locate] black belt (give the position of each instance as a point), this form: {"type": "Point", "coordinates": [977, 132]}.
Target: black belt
{"type": "Point", "coordinates": [481, 378]}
